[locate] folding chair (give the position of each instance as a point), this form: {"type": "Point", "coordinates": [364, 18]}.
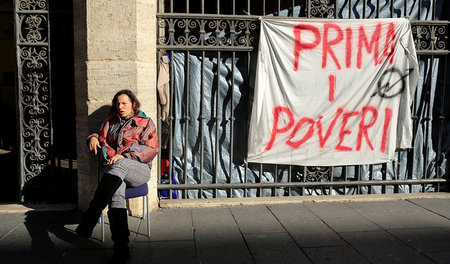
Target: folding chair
{"type": "Point", "coordinates": [133, 192]}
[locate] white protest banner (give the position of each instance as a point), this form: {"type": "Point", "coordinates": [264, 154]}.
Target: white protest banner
{"type": "Point", "coordinates": [332, 92]}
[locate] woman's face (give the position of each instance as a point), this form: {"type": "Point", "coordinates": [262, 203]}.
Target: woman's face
{"type": "Point", "coordinates": [124, 106]}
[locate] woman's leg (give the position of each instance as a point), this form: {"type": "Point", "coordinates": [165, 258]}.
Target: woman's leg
{"type": "Point", "coordinates": [103, 194]}
{"type": "Point", "coordinates": [133, 173]}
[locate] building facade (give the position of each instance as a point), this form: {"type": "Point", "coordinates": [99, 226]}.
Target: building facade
{"type": "Point", "coordinates": [62, 61]}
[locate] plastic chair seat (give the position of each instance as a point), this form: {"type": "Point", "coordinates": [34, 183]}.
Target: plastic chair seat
{"type": "Point", "coordinates": [138, 191]}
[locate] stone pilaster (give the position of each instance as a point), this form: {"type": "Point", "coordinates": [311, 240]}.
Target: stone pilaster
{"type": "Point", "coordinates": [115, 49]}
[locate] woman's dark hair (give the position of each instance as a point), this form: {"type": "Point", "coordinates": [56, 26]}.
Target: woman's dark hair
{"type": "Point", "coordinates": [134, 101]}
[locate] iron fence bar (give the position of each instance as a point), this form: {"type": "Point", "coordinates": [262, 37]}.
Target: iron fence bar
{"type": "Point", "coordinates": [208, 16]}
{"type": "Point", "coordinates": [441, 122]}
{"type": "Point", "coordinates": [289, 179]}
{"type": "Point", "coordinates": [304, 180]}
{"type": "Point", "coordinates": [297, 184]}
{"type": "Point", "coordinates": [202, 119]}
{"type": "Point", "coordinates": [218, 119]}
{"type": "Point", "coordinates": [275, 179]}
{"type": "Point", "coordinates": [234, 7]}
{"type": "Point", "coordinates": [358, 176]}
{"type": "Point", "coordinates": [433, 52]}
{"type": "Point", "coordinates": [249, 48]}
{"type": "Point", "coordinates": [384, 176]}
{"type": "Point", "coordinates": [392, 8]}
{"type": "Point", "coordinates": [32, 12]}
{"type": "Point", "coordinates": [208, 48]}
{"type": "Point", "coordinates": [429, 22]}
{"type": "Point", "coordinates": [331, 179]}
{"type": "Point", "coordinates": [158, 119]}
{"type": "Point", "coordinates": [256, 17]}
{"type": "Point", "coordinates": [278, 7]}
{"type": "Point", "coordinates": [364, 9]}
{"type": "Point", "coordinates": [245, 178]}
{"type": "Point", "coordinates": [247, 85]}
{"type": "Point", "coordinates": [420, 9]}
{"type": "Point", "coordinates": [378, 9]}
{"type": "Point", "coordinates": [34, 44]}
{"type": "Point", "coordinates": [218, 6]}
{"type": "Point", "coordinates": [405, 12]}
{"type": "Point", "coordinates": [415, 119]}
{"type": "Point", "coordinates": [433, 14]}
{"type": "Point", "coordinates": [427, 113]}
{"type": "Point", "coordinates": [264, 8]}
{"type": "Point", "coordinates": [202, 8]}
{"type": "Point", "coordinates": [293, 7]}
{"type": "Point", "coordinates": [232, 118]}
{"type": "Point", "coordinates": [171, 6]}
{"type": "Point", "coordinates": [187, 116]}
{"type": "Point", "coordinates": [260, 178]}
{"type": "Point", "coordinates": [345, 178]}
{"type": "Point", "coordinates": [349, 9]}
{"type": "Point", "coordinates": [308, 14]}
{"type": "Point", "coordinates": [335, 9]}
{"type": "Point", "coordinates": [429, 110]}
{"type": "Point", "coordinates": [172, 109]}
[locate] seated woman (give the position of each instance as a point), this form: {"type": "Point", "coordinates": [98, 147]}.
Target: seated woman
{"type": "Point", "coordinates": [129, 143]}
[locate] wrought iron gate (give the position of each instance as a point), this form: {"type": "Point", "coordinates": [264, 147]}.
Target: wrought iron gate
{"type": "Point", "coordinates": [47, 170]}
{"type": "Point", "coordinates": [214, 42]}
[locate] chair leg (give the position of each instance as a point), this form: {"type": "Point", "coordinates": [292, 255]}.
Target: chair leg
{"type": "Point", "coordinates": [148, 218]}
{"type": "Point", "coordinates": [143, 207]}
{"type": "Point", "coordinates": [102, 222]}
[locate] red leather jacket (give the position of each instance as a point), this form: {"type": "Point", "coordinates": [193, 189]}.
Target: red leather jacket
{"type": "Point", "coordinates": [136, 139]}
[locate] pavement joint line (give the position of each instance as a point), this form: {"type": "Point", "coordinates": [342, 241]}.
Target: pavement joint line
{"type": "Point", "coordinates": [243, 236]}
{"type": "Point", "coordinates": [429, 210]}
{"type": "Point", "coordinates": [339, 234]}
{"type": "Point", "coordinates": [388, 231]}
{"type": "Point", "coordinates": [302, 249]}
{"type": "Point", "coordinates": [10, 231]}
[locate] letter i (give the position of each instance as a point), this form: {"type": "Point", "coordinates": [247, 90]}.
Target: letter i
{"type": "Point", "coordinates": [348, 47]}
{"type": "Point", "coordinates": [387, 121]}
{"type": "Point", "coordinates": [331, 87]}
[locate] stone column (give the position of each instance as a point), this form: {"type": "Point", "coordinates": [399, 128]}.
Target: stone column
{"type": "Point", "coordinates": [115, 49]}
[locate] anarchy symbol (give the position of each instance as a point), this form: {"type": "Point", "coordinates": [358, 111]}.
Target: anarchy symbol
{"type": "Point", "coordinates": [391, 83]}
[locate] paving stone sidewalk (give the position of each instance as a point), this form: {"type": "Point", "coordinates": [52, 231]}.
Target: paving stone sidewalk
{"type": "Point", "coordinates": [396, 231]}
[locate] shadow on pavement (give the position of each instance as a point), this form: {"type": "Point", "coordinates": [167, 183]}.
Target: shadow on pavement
{"type": "Point", "coordinates": [44, 237]}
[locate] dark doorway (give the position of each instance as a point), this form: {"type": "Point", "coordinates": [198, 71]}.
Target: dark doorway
{"type": "Point", "coordinates": [9, 189]}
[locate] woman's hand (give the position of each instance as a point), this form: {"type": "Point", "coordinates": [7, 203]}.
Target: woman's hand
{"type": "Point", "coordinates": [114, 159]}
{"type": "Point", "coordinates": [94, 144]}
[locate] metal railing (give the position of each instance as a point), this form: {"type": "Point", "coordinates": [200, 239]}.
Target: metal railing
{"type": "Point", "coordinates": [225, 32]}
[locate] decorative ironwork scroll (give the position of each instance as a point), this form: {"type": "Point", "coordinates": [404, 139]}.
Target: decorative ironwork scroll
{"type": "Point", "coordinates": [207, 32]}
{"type": "Point", "coordinates": [317, 174]}
{"type": "Point", "coordinates": [33, 69]}
{"type": "Point", "coordinates": [321, 9]}
{"type": "Point", "coordinates": [431, 37]}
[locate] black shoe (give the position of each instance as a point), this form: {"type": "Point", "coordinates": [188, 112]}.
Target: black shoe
{"type": "Point", "coordinates": [118, 219]}
{"type": "Point", "coordinates": [121, 255]}
{"type": "Point", "coordinates": [106, 188]}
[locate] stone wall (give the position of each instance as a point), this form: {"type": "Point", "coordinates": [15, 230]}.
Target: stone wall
{"type": "Point", "coordinates": [115, 49]}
